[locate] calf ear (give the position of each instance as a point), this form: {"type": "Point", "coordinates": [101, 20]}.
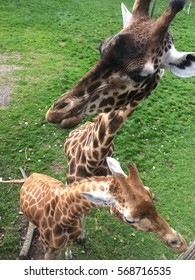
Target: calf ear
{"type": "Point", "coordinates": [98, 197]}
{"type": "Point", "coordinates": [181, 64]}
{"type": "Point", "coordinates": [126, 15]}
{"type": "Point", "coordinates": [114, 166]}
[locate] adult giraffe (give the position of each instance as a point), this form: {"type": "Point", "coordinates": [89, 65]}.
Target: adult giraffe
{"type": "Point", "coordinates": [131, 64]}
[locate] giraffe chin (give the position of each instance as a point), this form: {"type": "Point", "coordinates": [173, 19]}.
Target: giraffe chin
{"type": "Point", "coordinates": [71, 122]}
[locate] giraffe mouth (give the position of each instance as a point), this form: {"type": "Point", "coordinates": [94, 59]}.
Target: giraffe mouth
{"type": "Point", "coordinates": [57, 118]}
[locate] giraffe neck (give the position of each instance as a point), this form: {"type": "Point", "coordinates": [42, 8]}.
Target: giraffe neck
{"type": "Point", "coordinates": [87, 147]}
{"type": "Point", "coordinates": [72, 204]}
{"type": "Point", "coordinates": [105, 130]}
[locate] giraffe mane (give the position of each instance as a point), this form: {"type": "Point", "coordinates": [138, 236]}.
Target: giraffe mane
{"type": "Point", "coordinates": [91, 179]}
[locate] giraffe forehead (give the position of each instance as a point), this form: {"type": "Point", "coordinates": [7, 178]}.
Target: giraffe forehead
{"type": "Point", "coordinates": [138, 198]}
{"type": "Point", "coordinates": [137, 34]}
{"type": "Point", "coordinates": [144, 208]}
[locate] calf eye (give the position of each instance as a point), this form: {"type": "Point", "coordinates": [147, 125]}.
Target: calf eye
{"type": "Point", "coordinates": [130, 221]}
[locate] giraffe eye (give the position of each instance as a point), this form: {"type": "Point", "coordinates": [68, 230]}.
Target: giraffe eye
{"type": "Point", "coordinates": [130, 221]}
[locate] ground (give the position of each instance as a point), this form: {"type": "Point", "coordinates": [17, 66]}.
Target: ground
{"type": "Point", "coordinates": [7, 80]}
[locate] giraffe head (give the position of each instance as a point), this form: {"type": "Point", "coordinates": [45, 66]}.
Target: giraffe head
{"type": "Point", "coordinates": [132, 203]}
{"type": "Point", "coordinates": [130, 66]}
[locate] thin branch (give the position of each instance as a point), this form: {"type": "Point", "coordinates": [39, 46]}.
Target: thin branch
{"type": "Point", "coordinates": [23, 172]}
{"type": "Point", "coordinates": [27, 242]}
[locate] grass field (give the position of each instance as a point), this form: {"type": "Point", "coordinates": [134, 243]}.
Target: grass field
{"type": "Point", "coordinates": [45, 47]}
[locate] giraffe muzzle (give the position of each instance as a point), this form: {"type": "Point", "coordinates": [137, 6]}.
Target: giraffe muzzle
{"type": "Point", "coordinates": [177, 243]}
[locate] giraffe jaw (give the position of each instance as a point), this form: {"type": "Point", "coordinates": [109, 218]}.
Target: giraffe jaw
{"type": "Point", "coordinates": [67, 123]}
{"type": "Point", "coordinates": [71, 122]}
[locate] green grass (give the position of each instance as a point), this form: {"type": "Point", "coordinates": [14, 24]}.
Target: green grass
{"type": "Point", "coordinates": [54, 43]}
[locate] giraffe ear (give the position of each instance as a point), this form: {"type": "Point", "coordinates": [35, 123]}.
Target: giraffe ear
{"type": "Point", "coordinates": [98, 197]}
{"type": "Point", "coordinates": [126, 15]}
{"type": "Point", "coordinates": [181, 64]}
{"type": "Point", "coordinates": [114, 166]}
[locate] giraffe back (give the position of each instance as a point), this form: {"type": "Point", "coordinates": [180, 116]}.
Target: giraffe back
{"type": "Point", "coordinates": [36, 192]}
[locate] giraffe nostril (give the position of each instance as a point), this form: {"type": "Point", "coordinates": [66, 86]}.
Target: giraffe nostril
{"type": "Point", "coordinates": [175, 243]}
{"type": "Point", "coordinates": [60, 105]}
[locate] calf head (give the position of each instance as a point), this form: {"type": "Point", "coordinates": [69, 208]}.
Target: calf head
{"type": "Point", "coordinates": [134, 206]}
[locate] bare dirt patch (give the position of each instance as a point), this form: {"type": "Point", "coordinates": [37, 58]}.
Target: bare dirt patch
{"type": "Point", "coordinates": [36, 251]}
{"type": "Point", "coordinates": [7, 78]}
{"type": "Point", "coordinates": [56, 167]}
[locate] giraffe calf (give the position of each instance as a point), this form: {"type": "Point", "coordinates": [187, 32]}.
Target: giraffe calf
{"type": "Point", "coordinates": [56, 208]}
